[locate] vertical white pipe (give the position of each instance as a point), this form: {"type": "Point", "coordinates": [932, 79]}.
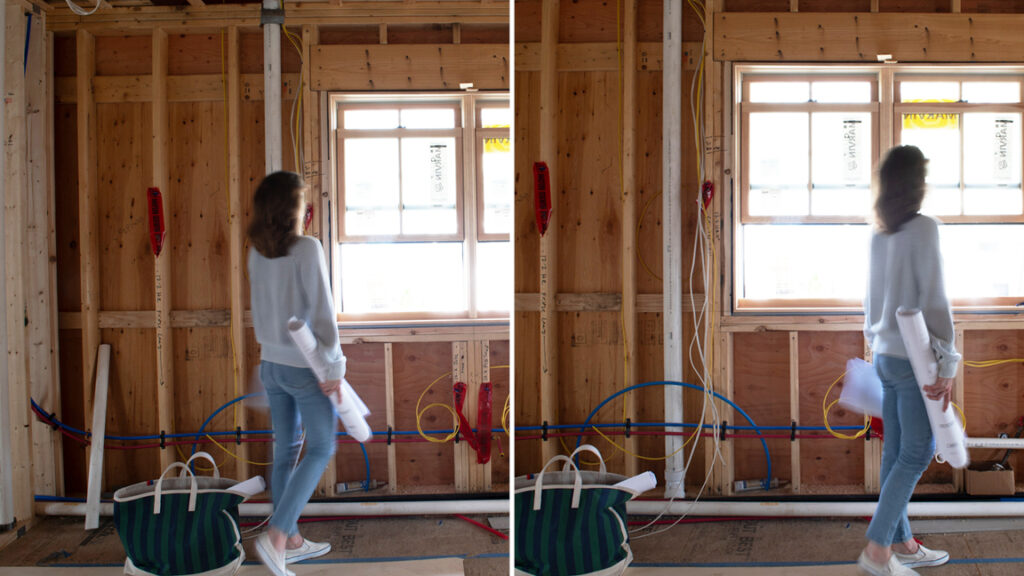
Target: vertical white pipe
{"type": "Point", "coordinates": [272, 90]}
{"type": "Point", "coordinates": [6, 477]}
{"type": "Point", "coordinates": [672, 233]}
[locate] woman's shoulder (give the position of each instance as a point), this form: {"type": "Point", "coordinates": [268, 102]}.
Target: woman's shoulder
{"type": "Point", "coordinates": [305, 247]}
{"type": "Point", "coordinates": [923, 224]}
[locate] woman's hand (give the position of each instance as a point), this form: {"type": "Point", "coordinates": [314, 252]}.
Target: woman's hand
{"type": "Point", "coordinates": [330, 388]}
{"type": "Point", "coordinates": [941, 390]}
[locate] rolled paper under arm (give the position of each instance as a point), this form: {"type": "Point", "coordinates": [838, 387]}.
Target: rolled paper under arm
{"type": "Point", "coordinates": [950, 442]}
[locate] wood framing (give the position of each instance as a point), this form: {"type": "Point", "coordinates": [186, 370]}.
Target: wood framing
{"type": "Point", "coordinates": [162, 262]}
{"type": "Point", "coordinates": [211, 18]}
{"type": "Point", "coordinates": [549, 241]}
{"type": "Point", "coordinates": [410, 67]}
{"type": "Point", "coordinates": [389, 405]}
{"type": "Point", "coordinates": [88, 220]}
{"type": "Point", "coordinates": [236, 230]}
{"type": "Point", "coordinates": [794, 405]}
{"type": "Point", "coordinates": [628, 182]}
{"type": "Point", "coordinates": [39, 271]}
{"type": "Point", "coordinates": [860, 37]}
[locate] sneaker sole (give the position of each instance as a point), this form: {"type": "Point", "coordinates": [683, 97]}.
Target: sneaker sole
{"type": "Point", "coordinates": [927, 564]}
{"type": "Point", "coordinates": [266, 560]}
{"type": "Point", "coordinates": [307, 556]}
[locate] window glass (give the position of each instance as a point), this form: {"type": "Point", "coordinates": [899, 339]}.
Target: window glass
{"type": "Point", "coordinates": [841, 92]}
{"type": "Point", "coordinates": [402, 277]}
{"type": "Point", "coordinates": [779, 91]}
{"type": "Point", "coordinates": [841, 163]}
{"type": "Point", "coordinates": [992, 149]}
{"type": "Point", "coordinates": [991, 92]}
{"type": "Point", "coordinates": [805, 261]}
{"type": "Point", "coordinates": [371, 186]}
{"type": "Point", "coordinates": [983, 260]}
{"type": "Point", "coordinates": [778, 163]}
{"type": "Point", "coordinates": [938, 137]}
{"type": "Point", "coordinates": [421, 118]}
{"type": "Point", "coordinates": [929, 91]}
{"type": "Point", "coordinates": [495, 117]}
{"type": "Point", "coordinates": [494, 276]}
{"type": "Point", "coordinates": [497, 182]}
{"type": "Point", "coordinates": [429, 180]}
{"type": "Point", "coordinates": [370, 119]}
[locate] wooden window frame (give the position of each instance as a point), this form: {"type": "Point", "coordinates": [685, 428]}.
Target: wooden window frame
{"type": "Point", "coordinates": [469, 203]}
{"type": "Point", "coordinates": [886, 133]}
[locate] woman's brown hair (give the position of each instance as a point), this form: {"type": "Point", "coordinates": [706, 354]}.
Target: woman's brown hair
{"type": "Point", "coordinates": [275, 216]}
{"type": "Point", "coordinates": [900, 188]}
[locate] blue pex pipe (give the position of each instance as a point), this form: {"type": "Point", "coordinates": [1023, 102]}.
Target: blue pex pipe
{"type": "Point", "coordinates": [766, 483]}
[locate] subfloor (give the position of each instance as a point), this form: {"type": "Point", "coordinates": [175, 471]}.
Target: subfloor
{"type": "Point", "coordinates": [433, 546]}
{"type": "Point", "coordinates": [820, 547]}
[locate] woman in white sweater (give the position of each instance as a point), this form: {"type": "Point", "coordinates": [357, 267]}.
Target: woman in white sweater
{"type": "Point", "coordinates": [906, 271]}
{"type": "Point", "coordinates": [288, 277]}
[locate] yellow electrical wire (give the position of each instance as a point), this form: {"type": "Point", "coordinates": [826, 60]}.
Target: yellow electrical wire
{"type": "Point", "coordinates": [990, 363]}
{"type": "Point", "coordinates": [649, 458]}
{"type": "Point", "coordinates": [826, 407]}
{"type": "Point", "coordinates": [419, 414]}
{"type": "Point", "coordinates": [235, 456]}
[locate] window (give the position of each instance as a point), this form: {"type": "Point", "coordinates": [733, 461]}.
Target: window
{"type": "Point", "coordinates": [809, 144]}
{"type": "Point", "coordinates": [424, 187]}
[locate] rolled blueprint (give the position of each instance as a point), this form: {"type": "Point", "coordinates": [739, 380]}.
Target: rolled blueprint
{"type": "Point", "coordinates": [950, 443]}
{"type": "Point", "coordinates": [349, 407]}
{"type": "Point", "coordinates": [640, 483]}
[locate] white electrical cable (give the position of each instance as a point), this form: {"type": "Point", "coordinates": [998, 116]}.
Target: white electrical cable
{"type": "Point", "coordinates": [81, 11]}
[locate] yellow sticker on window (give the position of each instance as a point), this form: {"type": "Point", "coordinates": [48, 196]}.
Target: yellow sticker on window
{"type": "Point", "coordinates": [931, 121]}
{"type": "Point", "coordinates": [492, 145]}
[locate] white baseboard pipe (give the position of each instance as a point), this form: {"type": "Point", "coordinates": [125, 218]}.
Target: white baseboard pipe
{"type": "Point", "coordinates": [823, 509]}
{"type": "Point", "coordinates": [418, 508]}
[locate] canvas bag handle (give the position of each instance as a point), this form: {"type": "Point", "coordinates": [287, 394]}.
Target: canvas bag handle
{"type": "Point", "coordinates": [206, 455]}
{"type": "Point", "coordinates": [577, 485]}
{"type": "Point", "coordinates": [193, 489]}
{"type": "Point", "coordinates": [587, 448]}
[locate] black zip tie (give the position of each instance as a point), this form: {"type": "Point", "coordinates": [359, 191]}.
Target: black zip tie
{"type": "Point", "coordinates": [53, 421]}
{"type": "Point", "coordinates": [544, 431]}
{"type": "Point", "coordinates": [389, 435]}
{"type": "Point", "coordinates": [725, 424]}
{"type": "Point", "coordinates": [792, 431]}
{"type": "Point", "coordinates": [868, 435]}
{"type": "Point", "coordinates": [238, 435]}
{"type": "Point", "coordinates": [628, 424]}
{"type": "Point", "coordinates": [163, 440]}
{"type": "Point", "coordinates": [457, 431]}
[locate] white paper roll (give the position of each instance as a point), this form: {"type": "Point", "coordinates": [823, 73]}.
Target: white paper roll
{"type": "Point", "coordinates": [640, 483]}
{"type": "Point", "coordinates": [349, 407]}
{"type": "Point", "coordinates": [950, 442]}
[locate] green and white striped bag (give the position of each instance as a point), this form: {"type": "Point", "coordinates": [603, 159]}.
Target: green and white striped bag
{"type": "Point", "coordinates": [181, 526]}
{"type": "Point", "coordinates": [571, 523]}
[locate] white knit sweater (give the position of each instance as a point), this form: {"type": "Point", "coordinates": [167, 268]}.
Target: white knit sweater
{"type": "Point", "coordinates": [294, 285]}
{"type": "Point", "coordinates": [906, 271]}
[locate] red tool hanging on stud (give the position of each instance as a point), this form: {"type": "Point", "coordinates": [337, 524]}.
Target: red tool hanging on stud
{"type": "Point", "coordinates": [156, 220]}
{"type": "Point", "coordinates": [480, 441]}
{"type": "Point", "coordinates": [542, 195]}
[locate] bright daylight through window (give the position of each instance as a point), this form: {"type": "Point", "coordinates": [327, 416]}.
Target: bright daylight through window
{"type": "Point", "coordinates": [809, 142]}
{"type": "Point", "coordinates": [425, 192]}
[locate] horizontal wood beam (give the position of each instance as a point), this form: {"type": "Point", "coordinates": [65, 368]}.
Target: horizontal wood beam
{"type": "Point", "coordinates": [351, 333]}
{"type": "Point", "coordinates": [598, 302]}
{"type": "Point", "coordinates": [860, 37]}
{"type": "Point", "coordinates": [409, 67]}
{"type": "Point", "coordinates": [598, 56]}
{"type": "Point", "coordinates": [190, 88]}
{"type": "Point", "coordinates": [141, 19]}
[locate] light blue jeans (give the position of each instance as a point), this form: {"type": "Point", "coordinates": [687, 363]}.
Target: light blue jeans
{"type": "Point", "coordinates": [906, 451]}
{"type": "Point", "coordinates": [295, 399]}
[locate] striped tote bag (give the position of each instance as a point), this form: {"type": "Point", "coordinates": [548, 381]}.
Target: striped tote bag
{"type": "Point", "coordinates": [185, 525]}
{"type": "Point", "coordinates": [571, 523]}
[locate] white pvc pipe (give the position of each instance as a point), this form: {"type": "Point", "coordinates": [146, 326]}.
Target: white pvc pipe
{"type": "Point", "coordinates": [672, 235]}
{"type": "Point", "coordinates": [418, 508]}
{"type": "Point", "coordinates": [6, 477]}
{"type": "Point", "coordinates": [823, 509]}
{"type": "Point", "coordinates": [272, 91]}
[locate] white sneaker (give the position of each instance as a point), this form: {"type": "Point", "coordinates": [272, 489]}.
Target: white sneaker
{"type": "Point", "coordinates": [271, 558]}
{"type": "Point", "coordinates": [307, 551]}
{"type": "Point", "coordinates": [924, 557]}
{"type": "Point", "coordinates": [890, 568]}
